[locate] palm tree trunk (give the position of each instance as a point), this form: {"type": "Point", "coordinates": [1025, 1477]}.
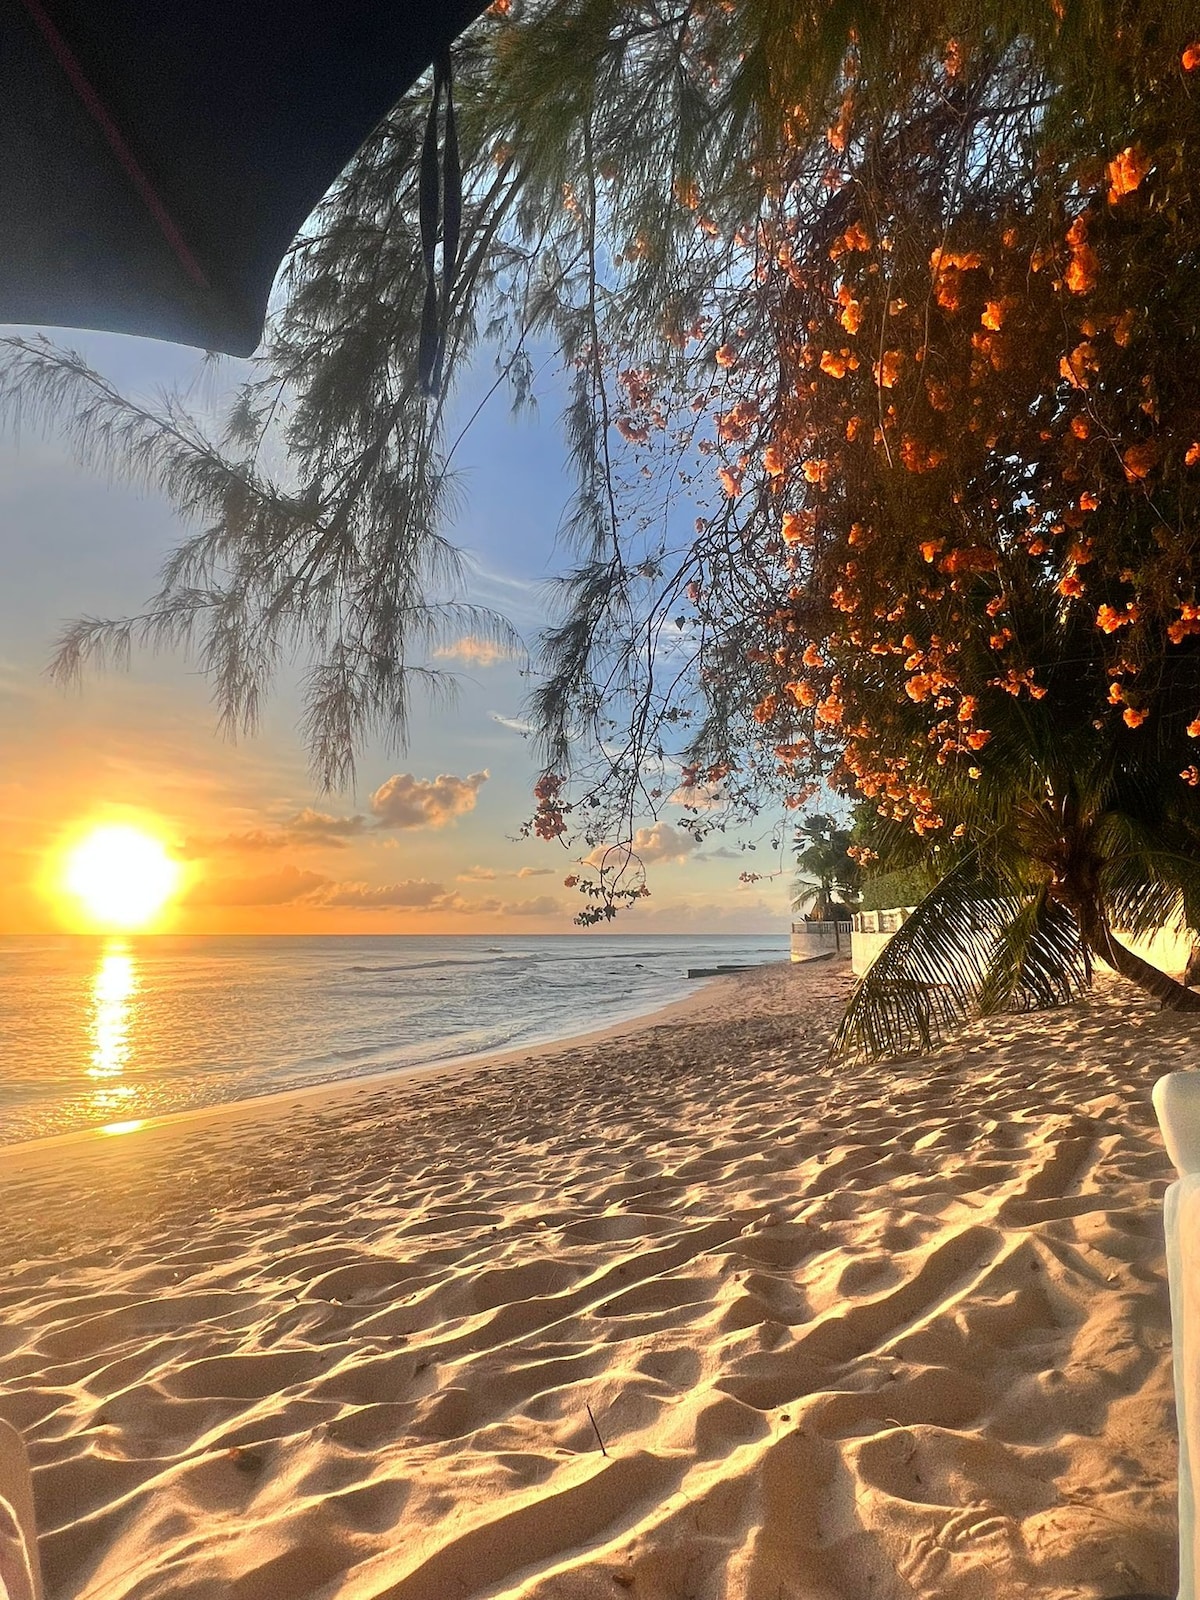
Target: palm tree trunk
{"type": "Point", "coordinates": [1097, 934]}
{"type": "Point", "coordinates": [1191, 976]}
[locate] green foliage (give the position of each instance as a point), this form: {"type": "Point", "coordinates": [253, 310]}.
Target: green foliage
{"type": "Point", "coordinates": [827, 875]}
{"type": "Point", "coordinates": [905, 886]}
{"type": "Point", "coordinates": [966, 950]}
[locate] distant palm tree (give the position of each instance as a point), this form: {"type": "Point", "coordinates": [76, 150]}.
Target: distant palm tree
{"type": "Point", "coordinates": [827, 876]}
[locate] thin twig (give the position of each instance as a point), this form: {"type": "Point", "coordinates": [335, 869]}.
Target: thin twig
{"type": "Point", "coordinates": [596, 1430]}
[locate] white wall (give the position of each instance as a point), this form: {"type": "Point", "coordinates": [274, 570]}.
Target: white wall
{"type": "Point", "coordinates": [872, 930]}
{"type": "Point", "coordinates": [864, 947]}
{"type": "Point", "coordinates": [1168, 948]}
{"type": "Point", "coordinates": [813, 939]}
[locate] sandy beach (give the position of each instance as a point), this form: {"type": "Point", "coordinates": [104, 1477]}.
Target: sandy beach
{"type": "Point", "coordinates": [844, 1332]}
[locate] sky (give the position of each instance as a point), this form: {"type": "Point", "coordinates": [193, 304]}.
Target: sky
{"type": "Point", "coordinates": [429, 839]}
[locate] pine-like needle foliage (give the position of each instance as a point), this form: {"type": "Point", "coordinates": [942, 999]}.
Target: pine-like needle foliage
{"type": "Point", "coordinates": [583, 126]}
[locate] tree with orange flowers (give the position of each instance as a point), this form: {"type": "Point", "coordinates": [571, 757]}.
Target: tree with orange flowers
{"type": "Point", "coordinates": [983, 466]}
{"type": "Point", "coordinates": [955, 572]}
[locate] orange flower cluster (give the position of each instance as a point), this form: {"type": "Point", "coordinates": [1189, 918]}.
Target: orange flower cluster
{"type": "Point", "coordinates": [735, 425]}
{"type": "Point", "coordinates": [1188, 622]}
{"type": "Point", "coordinates": [549, 818]}
{"type": "Point", "coordinates": [1126, 171]}
{"type": "Point", "coordinates": [1083, 268]}
{"type": "Point", "coordinates": [917, 456]}
{"type": "Point", "coordinates": [1109, 619]}
{"type": "Point", "coordinates": [799, 527]}
{"type": "Point", "coordinates": [948, 268]}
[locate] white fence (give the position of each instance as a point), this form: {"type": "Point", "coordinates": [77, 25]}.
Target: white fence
{"type": "Point", "coordinates": [810, 939]}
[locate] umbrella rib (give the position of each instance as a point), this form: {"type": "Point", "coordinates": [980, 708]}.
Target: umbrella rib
{"type": "Point", "coordinates": [103, 119]}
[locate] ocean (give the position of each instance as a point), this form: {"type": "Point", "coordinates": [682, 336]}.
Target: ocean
{"type": "Point", "coordinates": [97, 1032]}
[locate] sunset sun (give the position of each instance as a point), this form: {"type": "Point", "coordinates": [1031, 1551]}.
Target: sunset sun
{"type": "Point", "coordinates": [120, 876]}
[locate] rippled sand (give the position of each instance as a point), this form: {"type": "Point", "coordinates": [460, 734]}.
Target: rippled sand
{"type": "Point", "coordinates": [845, 1333]}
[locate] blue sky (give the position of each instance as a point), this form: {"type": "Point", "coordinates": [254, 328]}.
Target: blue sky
{"type": "Point", "coordinates": [265, 850]}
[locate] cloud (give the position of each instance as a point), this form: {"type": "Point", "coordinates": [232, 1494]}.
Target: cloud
{"type": "Point", "coordinates": [281, 888]}
{"type": "Point", "coordinates": [523, 728]}
{"type": "Point", "coordinates": [408, 802]}
{"type": "Point", "coordinates": [307, 830]}
{"type": "Point", "coordinates": [413, 893]}
{"type": "Point", "coordinates": [467, 908]}
{"type": "Point", "coordinates": [477, 652]}
{"type": "Point", "coordinates": [320, 825]}
{"type": "Point", "coordinates": [401, 802]}
{"type": "Point", "coordinates": [723, 853]}
{"type": "Point", "coordinates": [544, 905]}
{"type": "Point", "coordinates": [662, 842]}
{"type": "Point", "coordinates": [699, 796]}
{"type": "Point", "coordinates": [255, 842]}
{"type": "Point", "coordinates": [520, 599]}
{"type": "Point", "coordinates": [489, 875]}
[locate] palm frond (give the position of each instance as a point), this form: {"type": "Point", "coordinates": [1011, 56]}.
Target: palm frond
{"type": "Point", "coordinates": [963, 952]}
{"type": "Point", "coordinates": [1147, 881]}
{"type": "Point", "coordinates": [1038, 960]}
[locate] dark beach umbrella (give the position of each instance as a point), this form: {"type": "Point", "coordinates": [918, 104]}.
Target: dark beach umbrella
{"type": "Point", "coordinates": [157, 157]}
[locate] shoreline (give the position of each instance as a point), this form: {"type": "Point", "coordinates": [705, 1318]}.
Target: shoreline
{"type": "Point", "coordinates": [336, 1094]}
{"type": "Point", "coordinates": [843, 1331]}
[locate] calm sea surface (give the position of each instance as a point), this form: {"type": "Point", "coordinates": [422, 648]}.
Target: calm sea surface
{"type": "Point", "coordinates": [95, 1032]}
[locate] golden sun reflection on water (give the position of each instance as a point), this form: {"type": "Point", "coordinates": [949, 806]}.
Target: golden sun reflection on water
{"type": "Point", "coordinates": [114, 1008]}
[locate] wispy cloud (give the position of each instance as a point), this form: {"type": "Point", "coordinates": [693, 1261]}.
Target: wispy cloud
{"type": "Point", "coordinates": [475, 652]}
{"type": "Point", "coordinates": [320, 825]}
{"type": "Point", "coordinates": [413, 893]}
{"type": "Point", "coordinates": [288, 886]}
{"type": "Point", "coordinates": [255, 841]}
{"type": "Point", "coordinates": [544, 905]}
{"type": "Point", "coordinates": [521, 600]}
{"type": "Point", "coordinates": [523, 728]}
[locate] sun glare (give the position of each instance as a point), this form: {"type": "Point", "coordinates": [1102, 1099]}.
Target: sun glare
{"type": "Point", "coordinates": [120, 876]}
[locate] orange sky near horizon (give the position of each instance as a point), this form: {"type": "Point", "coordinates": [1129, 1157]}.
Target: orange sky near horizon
{"type": "Point", "coordinates": [429, 841]}
{"type": "Point", "coordinates": [431, 853]}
